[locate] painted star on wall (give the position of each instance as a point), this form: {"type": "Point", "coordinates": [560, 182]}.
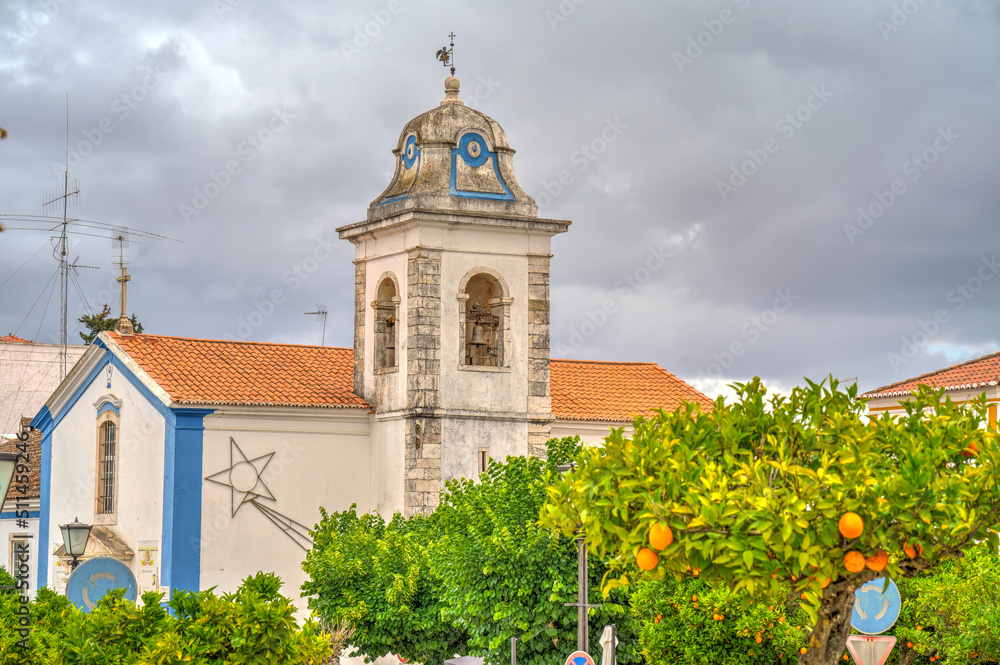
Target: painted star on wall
{"type": "Point", "coordinates": [243, 477]}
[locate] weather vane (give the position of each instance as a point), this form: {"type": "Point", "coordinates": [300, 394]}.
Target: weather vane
{"type": "Point", "coordinates": [444, 54]}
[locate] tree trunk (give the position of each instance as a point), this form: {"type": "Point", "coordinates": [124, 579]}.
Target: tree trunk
{"type": "Point", "coordinates": [828, 639]}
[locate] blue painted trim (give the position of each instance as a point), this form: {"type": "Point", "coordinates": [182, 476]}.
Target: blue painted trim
{"type": "Point", "coordinates": [463, 151]}
{"type": "Point", "coordinates": [410, 147]}
{"type": "Point", "coordinates": [108, 406]}
{"type": "Point", "coordinates": [183, 451]}
{"type": "Point", "coordinates": [12, 515]}
{"type": "Point", "coordinates": [393, 198]}
{"type": "Point", "coordinates": [407, 161]}
{"type": "Point", "coordinates": [44, 422]}
{"type": "Point", "coordinates": [101, 366]}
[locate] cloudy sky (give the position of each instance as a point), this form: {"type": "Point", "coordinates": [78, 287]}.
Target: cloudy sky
{"type": "Point", "coordinates": [780, 189]}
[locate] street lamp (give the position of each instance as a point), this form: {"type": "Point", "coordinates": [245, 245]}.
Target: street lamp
{"type": "Point", "coordinates": [75, 536]}
{"type": "Point", "coordinates": [7, 463]}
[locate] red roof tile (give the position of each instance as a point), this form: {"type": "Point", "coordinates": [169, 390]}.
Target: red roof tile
{"type": "Point", "coordinates": [593, 390]}
{"type": "Point", "coordinates": [34, 450]}
{"type": "Point", "coordinates": [205, 371]}
{"type": "Point", "coordinates": [13, 339]}
{"type": "Point", "coordinates": [978, 373]}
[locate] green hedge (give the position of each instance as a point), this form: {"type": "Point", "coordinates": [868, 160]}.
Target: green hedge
{"type": "Point", "coordinates": [253, 626]}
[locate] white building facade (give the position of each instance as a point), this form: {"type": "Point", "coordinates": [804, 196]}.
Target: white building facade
{"type": "Point", "coordinates": [204, 461]}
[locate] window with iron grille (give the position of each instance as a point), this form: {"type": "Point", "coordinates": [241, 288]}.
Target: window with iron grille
{"type": "Point", "coordinates": [106, 467]}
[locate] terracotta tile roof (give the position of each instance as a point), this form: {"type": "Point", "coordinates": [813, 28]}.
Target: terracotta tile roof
{"type": "Point", "coordinates": [13, 339]}
{"type": "Point", "coordinates": [34, 449]}
{"type": "Point", "coordinates": [978, 373]}
{"type": "Point", "coordinates": [592, 390]}
{"type": "Point", "coordinates": [202, 371]}
{"type": "Point", "coordinates": [205, 371]}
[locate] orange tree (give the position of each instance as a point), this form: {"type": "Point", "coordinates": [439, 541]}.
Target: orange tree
{"type": "Point", "coordinates": [953, 613]}
{"type": "Point", "coordinates": [754, 493]}
{"type": "Point", "coordinates": [690, 620]}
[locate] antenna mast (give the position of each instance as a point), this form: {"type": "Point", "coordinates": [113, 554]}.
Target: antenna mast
{"type": "Point", "coordinates": [320, 314]}
{"type": "Point", "coordinates": [64, 265]}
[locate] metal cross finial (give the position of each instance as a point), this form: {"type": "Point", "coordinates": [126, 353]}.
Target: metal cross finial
{"type": "Point", "coordinates": [125, 277]}
{"type": "Point", "coordinates": [444, 54]}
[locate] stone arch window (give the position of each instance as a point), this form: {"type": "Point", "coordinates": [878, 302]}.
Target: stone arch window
{"type": "Point", "coordinates": [108, 454]}
{"type": "Point", "coordinates": [484, 313]}
{"type": "Point", "coordinates": [386, 306]}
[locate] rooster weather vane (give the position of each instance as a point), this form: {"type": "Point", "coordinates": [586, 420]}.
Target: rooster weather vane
{"type": "Point", "coordinates": [444, 54]}
{"type": "Point", "coordinates": [243, 478]}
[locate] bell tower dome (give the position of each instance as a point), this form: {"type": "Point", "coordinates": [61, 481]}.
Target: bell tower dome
{"type": "Point", "coordinates": [451, 321]}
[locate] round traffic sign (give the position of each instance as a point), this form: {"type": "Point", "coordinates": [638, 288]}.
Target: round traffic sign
{"type": "Point", "coordinates": [875, 610]}
{"type": "Point", "coordinates": [95, 577]}
{"type": "Point", "coordinates": [579, 658]}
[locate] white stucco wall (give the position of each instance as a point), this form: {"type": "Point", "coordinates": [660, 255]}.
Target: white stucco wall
{"type": "Point", "coordinates": [893, 405]}
{"type": "Point", "coordinates": [463, 438]}
{"type": "Point", "coordinates": [322, 457]}
{"type": "Point", "coordinates": [387, 255]}
{"type": "Point", "coordinates": [8, 527]}
{"type": "Point", "coordinates": [591, 432]}
{"type": "Point", "coordinates": [28, 375]}
{"type": "Point", "coordinates": [388, 462]}
{"type": "Point", "coordinates": [141, 431]}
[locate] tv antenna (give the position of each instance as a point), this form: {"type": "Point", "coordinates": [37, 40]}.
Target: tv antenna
{"type": "Point", "coordinates": [53, 202]}
{"type": "Point", "coordinates": [320, 315]}
{"type": "Point", "coordinates": [444, 54]}
{"type": "Point", "coordinates": [69, 194]}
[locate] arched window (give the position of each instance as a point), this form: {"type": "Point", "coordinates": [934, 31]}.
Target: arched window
{"type": "Point", "coordinates": [107, 463]}
{"type": "Point", "coordinates": [483, 321]}
{"type": "Point", "coordinates": [386, 306]}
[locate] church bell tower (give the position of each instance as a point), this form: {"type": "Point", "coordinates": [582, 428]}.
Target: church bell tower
{"type": "Point", "coordinates": [451, 318]}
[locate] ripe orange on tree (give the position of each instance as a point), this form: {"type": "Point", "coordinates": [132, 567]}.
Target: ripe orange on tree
{"type": "Point", "coordinates": [660, 536]}
{"type": "Point", "coordinates": [913, 551]}
{"type": "Point", "coordinates": [851, 525]}
{"type": "Point", "coordinates": [854, 561]}
{"type": "Point", "coordinates": [646, 559]}
{"type": "Point", "coordinates": [878, 561]}
{"type": "Point", "coordinates": [971, 451]}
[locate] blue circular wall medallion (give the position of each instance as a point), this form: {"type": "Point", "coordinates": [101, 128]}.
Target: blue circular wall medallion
{"type": "Point", "coordinates": [95, 577]}
{"type": "Point", "coordinates": [876, 611]}
{"type": "Point", "coordinates": [472, 148]}
{"type": "Point", "coordinates": [410, 152]}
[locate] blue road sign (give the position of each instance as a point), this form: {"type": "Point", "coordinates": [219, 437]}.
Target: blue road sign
{"type": "Point", "coordinates": [95, 577]}
{"type": "Point", "coordinates": [875, 611]}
